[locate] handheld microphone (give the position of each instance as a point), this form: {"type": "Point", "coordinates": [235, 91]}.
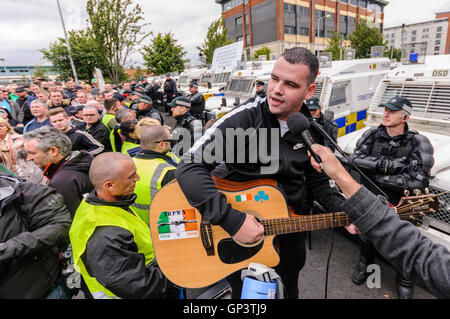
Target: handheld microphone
{"type": "Point", "coordinates": [298, 125]}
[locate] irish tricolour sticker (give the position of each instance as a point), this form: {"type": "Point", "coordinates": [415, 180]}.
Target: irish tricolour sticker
{"type": "Point", "coordinates": [177, 224]}
{"type": "Point", "coordinates": [243, 198]}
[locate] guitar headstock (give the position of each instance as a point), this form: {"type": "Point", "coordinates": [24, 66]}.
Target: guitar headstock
{"type": "Point", "coordinates": [417, 206]}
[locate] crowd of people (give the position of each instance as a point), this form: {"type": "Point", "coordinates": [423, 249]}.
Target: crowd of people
{"type": "Point", "coordinates": [81, 166]}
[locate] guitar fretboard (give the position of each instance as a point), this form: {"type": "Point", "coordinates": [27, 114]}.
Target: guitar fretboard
{"type": "Point", "coordinates": [304, 223]}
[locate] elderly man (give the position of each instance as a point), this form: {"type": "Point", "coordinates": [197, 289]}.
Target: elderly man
{"type": "Point", "coordinates": [95, 127]}
{"type": "Point", "coordinates": [112, 247]}
{"type": "Point", "coordinates": [66, 171]}
{"type": "Point", "coordinates": [80, 139]}
{"type": "Point", "coordinates": [39, 110]}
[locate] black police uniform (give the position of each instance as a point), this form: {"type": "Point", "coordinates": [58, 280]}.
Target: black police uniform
{"type": "Point", "coordinates": [395, 164]}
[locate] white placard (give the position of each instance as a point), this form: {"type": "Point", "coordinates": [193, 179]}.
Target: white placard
{"type": "Point", "coordinates": [227, 57]}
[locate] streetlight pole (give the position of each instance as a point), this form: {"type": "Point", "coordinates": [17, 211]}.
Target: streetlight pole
{"type": "Point", "coordinates": [68, 44]}
{"type": "Point", "coordinates": [318, 30]}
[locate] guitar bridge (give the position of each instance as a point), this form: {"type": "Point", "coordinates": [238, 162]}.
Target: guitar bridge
{"type": "Point", "coordinates": [207, 237]}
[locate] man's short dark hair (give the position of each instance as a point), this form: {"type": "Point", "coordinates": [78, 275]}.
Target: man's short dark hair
{"type": "Point", "coordinates": [300, 55]}
{"type": "Point", "coordinates": [109, 103]}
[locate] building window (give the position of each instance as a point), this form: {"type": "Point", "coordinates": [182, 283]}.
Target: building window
{"type": "Point", "coordinates": [436, 48]}
{"type": "Point", "coordinates": [414, 32]}
{"type": "Point", "coordinates": [304, 11]}
{"type": "Point", "coordinates": [439, 29]}
{"type": "Point", "coordinates": [344, 1]}
{"type": "Point", "coordinates": [413, 39]}
{"type": "Point", "coordinates": [354, 2]}
{"type": "Point", "coordinates": [363, 3]}
{"type": "Point", "coordinates": [438, 42]}
{"type": "Point", "coordinates": [438, 35]}
{"type": "Point", "coordinates": [290, 30]}
{"type": "Point", "coordinates": [241, 38]}
{"type": "Point", "coordinates": [288, 7]}
{"type": "Point", "coordinates": [304, 31]}
{"type": "Point", "coordinates": [238, 21]}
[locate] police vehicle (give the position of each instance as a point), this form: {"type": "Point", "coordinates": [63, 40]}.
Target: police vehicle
{"type": "Point", "coordinates": [239, 88]}
{"type": "Point", "coordinates": [425, 81]}
{"type": "Point", "coordinates": [347, 87]}
{"type": "Point", "coordinates": [187, 77]}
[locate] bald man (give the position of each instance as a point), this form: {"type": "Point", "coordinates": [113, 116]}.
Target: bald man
{"type": "Point", "coordinates": [155, 166]}
{"type": "Point", "coordinates": [112, 247]}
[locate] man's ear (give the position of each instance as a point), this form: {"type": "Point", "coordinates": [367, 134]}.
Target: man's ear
{"type": "Point", "coordinates": [311, 89]}
{"type": "Point", "coordinates": [108, 185]}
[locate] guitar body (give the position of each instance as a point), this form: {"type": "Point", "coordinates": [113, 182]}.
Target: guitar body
{"type": "Point", "coordinates": [194, 255]}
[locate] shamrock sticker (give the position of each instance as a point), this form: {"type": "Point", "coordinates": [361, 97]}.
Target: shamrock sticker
{"type": "Point", "coordinates": [261, 197]}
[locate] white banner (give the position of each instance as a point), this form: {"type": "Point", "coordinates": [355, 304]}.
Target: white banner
{"type": "Point", "coordinates": [227, 57]}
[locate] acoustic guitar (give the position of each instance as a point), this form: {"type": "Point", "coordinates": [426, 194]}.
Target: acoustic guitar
{"type": "Point", "coordinates": [193, 253]}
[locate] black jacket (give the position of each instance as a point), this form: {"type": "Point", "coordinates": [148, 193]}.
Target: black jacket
{"type": "Point", "coordinates": [185, 133]}
{"type": "Point", "coordinates": [401, 243]}
{"type": "Point", "coordinates": [197, 104]}
{"type": "Point", "coordinates": [170, 87]}
{"type": "Point", "coordinates": [112, 257]}
{"type": "Point", "coordinates": [101, 134]}
{"type": "Point", "coordinates": [34, 222]}
{"type": "Point", "coordinates": [82, 141]}
{"type": "Point", "coordinates": [394, 163]}
{"type": "Point", "coordinates": [330, 127]}
{"type": "Point", "coordinates": [70, 178]}
{"type": "Point", "coordinates": [290, 166]}
{"type": "Point", "coordinates": [151, 113]}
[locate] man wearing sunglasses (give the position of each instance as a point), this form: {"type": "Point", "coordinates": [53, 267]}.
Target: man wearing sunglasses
{"type": "Point", "coordinates": [155, 167]}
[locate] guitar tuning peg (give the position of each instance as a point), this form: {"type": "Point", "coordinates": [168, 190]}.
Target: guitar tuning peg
{"type": "Point", "coordinates": [406, 192]}
{"type": "Point", "coordinates": [427, 190]}
{"type": "Point", "coordinates": [417, 192]}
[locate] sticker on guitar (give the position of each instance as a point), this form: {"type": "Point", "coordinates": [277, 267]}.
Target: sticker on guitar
{"type": "Point", "coordinates": [177, 224]}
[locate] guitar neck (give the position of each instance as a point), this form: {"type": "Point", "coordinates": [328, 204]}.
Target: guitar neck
{"type": "Point", "coordinates": [289, 225]}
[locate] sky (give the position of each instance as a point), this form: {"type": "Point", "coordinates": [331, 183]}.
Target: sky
{"type": "Point", "coordinates": [28, 26]}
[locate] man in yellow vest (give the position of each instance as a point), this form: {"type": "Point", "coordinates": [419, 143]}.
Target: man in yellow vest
{"type": "Point", "coordinates": [112, 247]}
{"type": "Point", "coordinates": [155, 167]}
{"type": "Point", "coordinates": [109, 119]}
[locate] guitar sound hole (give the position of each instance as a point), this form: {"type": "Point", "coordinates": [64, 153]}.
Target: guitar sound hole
{"type": "Point", "coordinates": [231, 253]}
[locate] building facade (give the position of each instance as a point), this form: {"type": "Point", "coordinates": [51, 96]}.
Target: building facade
{"type": "Point", "coordinates": [22, 73]}
{"type": "Point", "coordinates": [431, 36]}
{"type": "Point", "coordinates": [281, 24]}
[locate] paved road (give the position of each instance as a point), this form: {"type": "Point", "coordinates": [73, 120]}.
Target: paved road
{"type": "Point", "coordinates": [344, 257]}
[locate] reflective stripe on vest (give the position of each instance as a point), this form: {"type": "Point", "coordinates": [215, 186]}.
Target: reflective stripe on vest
{"type": "Point", "coordinates": [151, 173]}
{"type": "Point", "coordinates": [174, 157]}
{"type": "Point", "coordinates": [87, 218]}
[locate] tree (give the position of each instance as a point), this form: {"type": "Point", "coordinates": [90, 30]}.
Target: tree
{"type": "Point", "coordinates": [39, 73]}
{"type": "Point", "coordinates": [216, 37]}
{"type": "Point", "coordinates": [117, 30]}
{"type": "Point", "coordinates": [364, 37]}
{"type": "Point", "coordinates": [164, 55]}
{"type": "Point", "coordinates": [395, 53]}
{"type": "Point", "coordinates": [335, 45]}
{"type": "Point", "coordinates": [263, 51]}
{"type": "Point", "coordinates": [85, 56]}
